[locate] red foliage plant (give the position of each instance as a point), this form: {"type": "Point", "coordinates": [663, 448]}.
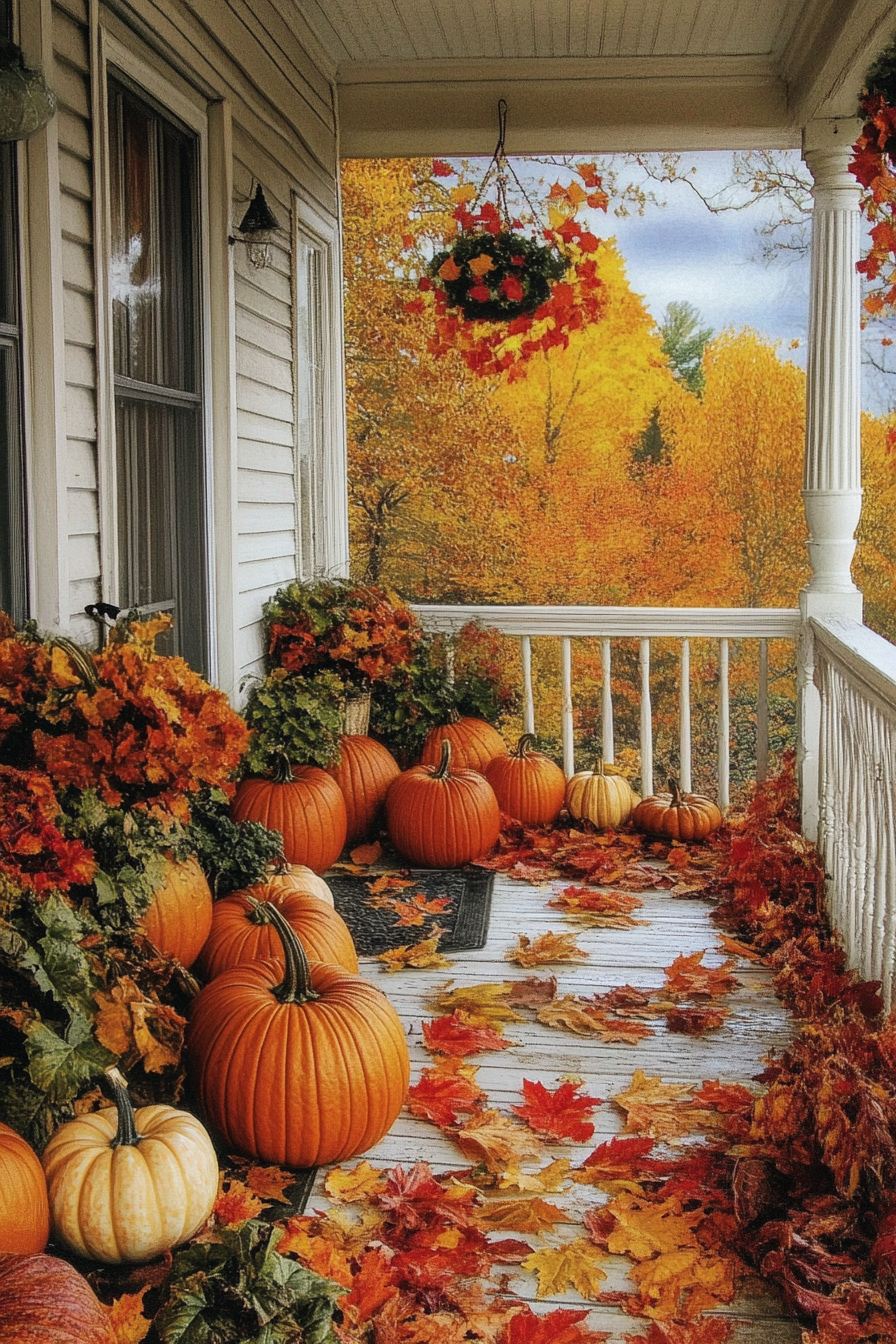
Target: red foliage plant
{"type": "Point", "coordinates": [33, 851]}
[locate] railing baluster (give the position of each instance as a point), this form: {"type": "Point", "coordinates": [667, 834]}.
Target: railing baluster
{"type": "Point", "coordinates": [762, 714]}
{"type": "Point", "coordinates": [646, 722]}
{"type": "Point", "coordinates": [528, 697]}
{"type": "Point", "coordinates": [608, 746]}
{"type": "Point", "coordinates": [569, 762]}
{"type": "Point", "coordinates": [724, 726]}
{"type": "Point", "coordinates": [684, 718]}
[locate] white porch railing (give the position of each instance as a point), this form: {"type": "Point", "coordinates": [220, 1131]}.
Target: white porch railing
{"type": "Point", "coordinates": [721, 624]}
{"type": "Point", "coordinates": [855, 672]}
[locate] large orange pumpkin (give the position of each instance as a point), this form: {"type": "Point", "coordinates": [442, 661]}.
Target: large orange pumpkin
{"type": "Point", "coordinates": [305, 805]}
{"type": "Point", "coordinates": [46, 1301]}
{"type": "Point", "coordinates": [126, 1185]}
{"type": "Point", "coordinates": [300, 1067]}
{"type": "Point", "coordinates": [677, 816]}
{"type": "Point", "coordinates": [365, 771]}
{"type": "Point", "coordinates": [242, 930]}
{"type": "Point", "coordinates": [24, 1211]}
{"type": "Point", "coordinates": [441, 818]}
{"type": "Point", "coordinates": [529, 786]}
{"type": "Point", "coordinates": [473, 744]}
{"type": "Point", "coordinates": [178, 921]}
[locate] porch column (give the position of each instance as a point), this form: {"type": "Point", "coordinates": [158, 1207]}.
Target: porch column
{"type": "Point", "coordinates": [832, 480]}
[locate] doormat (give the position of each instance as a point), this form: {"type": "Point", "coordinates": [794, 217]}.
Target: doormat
{"type": "Point", "coordinates": [457, 900]}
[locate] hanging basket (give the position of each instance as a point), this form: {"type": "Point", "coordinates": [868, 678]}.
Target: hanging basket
{"type": "Point", "coordinates": [26, 100]}
{"type": "Point", "coordinates": [496, 277]}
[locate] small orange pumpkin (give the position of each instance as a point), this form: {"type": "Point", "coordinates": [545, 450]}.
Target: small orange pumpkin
{"type": "Point", "coordinates": [299, 1067]}
{"type": "Point", "coordinates": [365, 771]}
{"type": "Point", "coordinates": [178, 921]}
{"type": "Point", "coordinates": [24, 1211]}
{"type": "Point", "coordinates": [529, 786]}
{"type": "Point", "coordinates": [473, 744]}
{"type": "Point", "coordinates": [441, 818]}
{"type": "Point", "coordinates": [606, 800]}
{"type": "Point", "coordinates": [304, 804]}
{"type": "Point", "coordinates": [242, 930]}
{"type": "Point", "coordinates": [677, 816]}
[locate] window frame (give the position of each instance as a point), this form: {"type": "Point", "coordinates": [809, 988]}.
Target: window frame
{"type": "Point", "coordinates": [157, 86]}
{"type": "Point", "coordinates": [313, 229]}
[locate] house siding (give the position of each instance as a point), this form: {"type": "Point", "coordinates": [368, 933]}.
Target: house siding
{"type": "Point", "coordinates": [284, 136]}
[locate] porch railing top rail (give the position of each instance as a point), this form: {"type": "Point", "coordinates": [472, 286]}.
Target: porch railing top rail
{"type": "Point", "coordinates": [619, 622]}
{"type": "Point", "coordinates": [864, 658]}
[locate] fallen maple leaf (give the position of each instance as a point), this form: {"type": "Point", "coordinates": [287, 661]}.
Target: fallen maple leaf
{"type": "Point", "coordinates": [687, 978]}
{"type": "Point", "coordinates": [532, 991]}
{"type": "Point", "coordinates": [317, 1253]}
{"type": "Point", "coordinates": [413, 1198]}
{"type": "Point", "coordinates": [355, 1185]}
{"type": "Point", "coordinates": [548, 1179]}
{"type": "Point", "coordinates": [548, 947]}
{"type": "Point", "coordinates": [695, 1021]}
{"type": "Point", "coordinates": [644, 1229]}
{"type": "Point", "coordinates": [488, 1001]}
{"type": "Point", "coordinates": [657, 1108]}
{"type": "Point", "coordinates": [441, 1097]}
{"type": "Point", "coordinates": [574, 1264]}
{"type": "Point", "coordinates": [372, 1287]}
{"type": "Point", "coordinates": [519, 1215]}
{"type": "Point", "coordinates": [571, 1013]}
{"type": "Point", "coordinates": [725, 1097]}
{"type": "Point", "coordinates": [129, 1325]}
{"type": "Point", "coordinates": [270, 1182]}
{"type": "Point", "coordinates": [456, 1035]}
{"type": "Point", "coordinates": [366, 854]}
{"type": "Point", "coordinates": [420, 956]}
{"type": "Point", "coordinates": [563, 1326]}
{"type": "Point", "coordinates": [708, 1330]}
{"type": "Point", "coordinates": [614, 1160]}
{"type": "Point", "coordinates": [683, 1283]}
{"type": "Point", "coordinates": [737, 949]}
{"type": "Point", "coordinates": [236, 1204]}
{"type": "Point", "coordinates": [496, 1140]}
{"type": "Point", "coordinates": [598, 909]}
{"type": "Point", "coordinates": [559, 1115]}
{"type": "Point", "coordinates": [389, 882]}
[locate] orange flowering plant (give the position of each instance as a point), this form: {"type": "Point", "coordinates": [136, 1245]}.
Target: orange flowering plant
{"type": "Point", "coordinates": [34, 853]}
{"type": "Point", "coordinates": [141, 729]}
{"type": "Point", "coordinates": [355, 630]}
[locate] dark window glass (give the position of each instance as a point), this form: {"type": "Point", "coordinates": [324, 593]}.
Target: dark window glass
{"type": "Point", "coordinates": [155, 317]}
{"type": "Point", "coordinates": [13, 585]}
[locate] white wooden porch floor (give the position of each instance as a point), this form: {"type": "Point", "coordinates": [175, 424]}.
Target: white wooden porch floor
{"type": "Point", "coordinates": [734, 1053]}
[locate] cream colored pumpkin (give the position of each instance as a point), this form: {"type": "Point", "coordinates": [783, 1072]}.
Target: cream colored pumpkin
{"type": "Point", "coordinates": [605, 800]}
{"type": "Point", "coordinates": [296, 877]}
{"type": "Point", "coordinates": [124, 1186]}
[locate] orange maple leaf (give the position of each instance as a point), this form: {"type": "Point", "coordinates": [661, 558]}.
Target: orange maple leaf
{"type": "Point", "coordinates": [496, 1140]}
{"type": "Point", "coordinates": [421, 956]}
{"type": "Point", "coordinates": [270, 1182]}
{"type": "Point", "coordinates": [519, 1215]}
{"type": "Point", "coordinates": [356, 1185]}
{"type": "Point", "coordinates": [548, 947]}
{"type": "Point", "coordinates": [686, 978]}
{"type": "Point", "coordinates": [129, 1325]}
{"type": "Point", "coordinates": [441, 1096]}
{"type": "Point", "coordinates": [236, 1204]}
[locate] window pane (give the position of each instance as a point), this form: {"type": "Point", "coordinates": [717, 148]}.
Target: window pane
{"type": "Point", "coordinates": [153, 175]}
{"type": "Point", "coordinates": [162, 566]}
{"type": "Point", "coordinates": [12, 488]}
{"type": "Point", "coordinates": [9, 299]}
{"type": "Point", "coordinates": [310, 426]}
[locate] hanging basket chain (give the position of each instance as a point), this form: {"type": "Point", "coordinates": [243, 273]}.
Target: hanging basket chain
{"type": "Point", "coordinates": [501, 167]}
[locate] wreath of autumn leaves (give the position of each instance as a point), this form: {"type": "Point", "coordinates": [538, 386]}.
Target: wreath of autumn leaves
{"type": "Point", "coordinates": [498, 297]}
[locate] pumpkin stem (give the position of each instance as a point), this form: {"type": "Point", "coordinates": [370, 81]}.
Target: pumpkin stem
{"type": "Point", "coordinates": [444, 763]}
{"type": "Point", "coordinates": [676, 793]}
{"type": "Point", "coordinates": [523, 747]}
{"type": "Point", "coordinates": [282, 772]}
{"type": "Point", "coordinates": [126, 1135]}
{"type": "Point", "coordinates": [260, 912]}
{"type": "Point", "coordinates": [295, 987]}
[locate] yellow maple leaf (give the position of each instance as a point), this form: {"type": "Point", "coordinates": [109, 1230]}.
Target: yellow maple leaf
{"type": "Point", "coordinates": [574, 1264]}
{"type": "Point", "coordinates": [421, 956]}
{"type": "Point", "coordinates": [270, 1182]}
{"type": "Point", "coordinates": [549, 1179]}
{"type": "Point", "coordinates": [519, 1215]}
{"type": "Point", "coordinates": [683, 1283]}
{"type": "Point", "coordinates": [644, 1229]}
{"type": "Point", "coordinates": [350, 1234]}
{"type": "Point", "coordinates": [546, 948]}
{"type": "Point", "coordinates": [481, 265]}
{"type": "Point", "coordinates": [129, 1325]}
{"type": "Point", "coordinates": [496, 1140]}
{"type": "Point", "coordinates": [488, 1001]}
{"type": "Point", "coordinates": [356, 1185]}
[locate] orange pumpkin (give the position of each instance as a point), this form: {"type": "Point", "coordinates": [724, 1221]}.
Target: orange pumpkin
{"type": "Point", "coordinates": [299, 1067]}
{"type": "Point", "coordinates": [178, 921]}
{"type": "Point", "coordinates": [305, 805]}
{"type": "Point", "coordinates": [364, 773]}
{"type": "Point", "coordinates": [24, 1211]}
{"type": "Point", "coordinates": [605, 800]}
{"type": "Point", "coordinates": [473, 744]}
{"type": "Point", "coordinates": [529, 786]}
{"type": "Point", "coordinates": [440, 818]}
{"type": "Point", "coordinates": [242, 930]}
{"type": "Point", "coordinates": [46, 1301]}
{"type": "Point", "coordinates": [677, 816]}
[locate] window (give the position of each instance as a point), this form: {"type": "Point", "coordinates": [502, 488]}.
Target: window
{"type": "Point", "coordinates": [13, 581]}
{"type": "Point", "coordinates": [310, 419]}
{"type": "Point", "coordinates": [156, 315]}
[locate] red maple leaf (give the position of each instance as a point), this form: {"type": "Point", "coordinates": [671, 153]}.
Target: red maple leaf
{"type": "Point", "coordinates": [559, 1115]}
{"type": "Point", "coordinates": [415, 1199]}
{"type": "Point", "coordinates": [455, 1036]}
{"type": "Point", "coordinates": [440, 1097]}
{"type": "Point", "coordinates": [558, 1327]}
{"type": "Point", "coordinates": [619, 1159]}
{"type": "Point", "coordinates": [372, 1287]}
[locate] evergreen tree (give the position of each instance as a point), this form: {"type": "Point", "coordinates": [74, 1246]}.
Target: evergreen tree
{"type": "Point", "coordinates": [684, 341]}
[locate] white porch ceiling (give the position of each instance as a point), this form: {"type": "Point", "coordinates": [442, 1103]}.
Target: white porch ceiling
{"type": "Point", "coordinates": [424, 76]}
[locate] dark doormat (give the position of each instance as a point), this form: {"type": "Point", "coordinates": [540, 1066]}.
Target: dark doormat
{"type": "Point", "coordinates": [379, 919]}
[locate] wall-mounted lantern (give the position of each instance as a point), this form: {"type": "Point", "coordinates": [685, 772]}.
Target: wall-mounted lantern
{"type": "Point", "coordinates": [257, 230]}
{"type": "Point", "coordinates": [26, 100]}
